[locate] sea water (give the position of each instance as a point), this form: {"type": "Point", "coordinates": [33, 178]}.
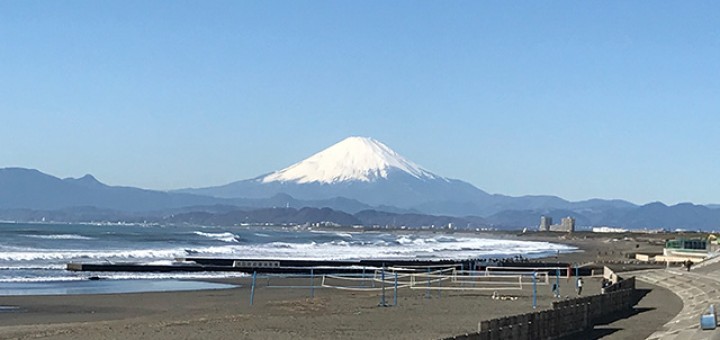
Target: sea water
{"type": "Point", "coordinates": [35, 253]}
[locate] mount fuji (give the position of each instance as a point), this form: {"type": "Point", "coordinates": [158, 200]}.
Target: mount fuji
{"type": "Point", "coordinates": [368, 171]}
{"type": "Point", "coordinates": [359, 168]}
{"type": "Point", "coordinates": [358, 175]}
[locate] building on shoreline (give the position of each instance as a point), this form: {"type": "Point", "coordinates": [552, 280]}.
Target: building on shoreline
{"type": "Point", "coordinates": [567, 224]}
{"type": "Point", "coordinates": [680, 250]}
{"type": "Point", "coordinates": [545, 223]}
{"type": "Point", "coordinates": [606, 229]}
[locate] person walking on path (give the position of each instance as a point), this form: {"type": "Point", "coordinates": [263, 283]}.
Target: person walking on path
{"type": "Point", "coordinates": [579, 285]}
{"type": "Point", "coordinates": [555, 290]}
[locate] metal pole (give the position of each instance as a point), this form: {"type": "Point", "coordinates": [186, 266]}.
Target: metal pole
{"type": "Point", "coordinates": [382, 278]}
{"type": "Point", "coordinates": [534, 301]}
{"type": "Point", "coordinates": [252, 289]}
{"type": "Point", "coordinates": [363, 276]}
{"type": "Point", "coordinates": [396, 287]}
{"type": "Point", "coordinates": [312, 283]}
{"type": "Point", "coordinates": [557, 281]}
{"type": "Point", "coordinates": [428, 284]}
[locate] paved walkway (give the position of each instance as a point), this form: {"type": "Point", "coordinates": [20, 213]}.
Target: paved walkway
{"type": "Point", "coordinates": [698, 289]}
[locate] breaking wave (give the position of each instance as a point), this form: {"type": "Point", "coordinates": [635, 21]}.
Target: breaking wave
{"type": "Point", "coordinates": [60, 237]}
{"type": "Point", "coordinates": [47, 254]}
{"type": "Point", "coordinates": [125, 276]}
{"type": "Point", "coordinates": [225, 237]}
{"type": "Point", "coordinates": [401, 246]}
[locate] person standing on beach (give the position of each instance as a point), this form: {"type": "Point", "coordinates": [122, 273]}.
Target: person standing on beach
{"type": "Point", "coordinates": [579, 285]}
{"type": "Point", "coordinates": [604, 285]}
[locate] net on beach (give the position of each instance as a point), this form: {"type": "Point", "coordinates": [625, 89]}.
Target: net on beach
{"type": "Point", "coordinates": [438, 279]}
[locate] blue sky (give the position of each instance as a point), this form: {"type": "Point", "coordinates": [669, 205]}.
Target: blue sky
{"type": "Point", "coordinates": [576, 99]}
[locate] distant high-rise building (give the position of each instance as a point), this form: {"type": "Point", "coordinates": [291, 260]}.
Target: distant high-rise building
{"type": "Point", "coordinates": [567, 224]}
{"type": "Point", "coordinates": [545, 223]}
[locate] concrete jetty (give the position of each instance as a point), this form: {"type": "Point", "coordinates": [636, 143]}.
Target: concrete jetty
{"type": "Point", "coordinates": [266, 265]}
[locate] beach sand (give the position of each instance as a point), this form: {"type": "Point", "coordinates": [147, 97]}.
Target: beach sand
{"type": "Point", "coordinates": [284, 313]}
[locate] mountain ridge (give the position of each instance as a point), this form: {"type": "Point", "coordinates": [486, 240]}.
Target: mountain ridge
{"type": "Point", "coordinates": [369, 171]}
{"type": "Point", "coordinates": [354, 175]}
{"type": "Point", "coordinates": [30, 195]}
{"type": "Point", "coordinates": [359, 168]}
{"type": "Point", "coordinates": [29, 188]}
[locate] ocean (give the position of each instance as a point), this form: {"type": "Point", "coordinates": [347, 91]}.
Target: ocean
{"type": "Point", "coordinates": [32, 253]}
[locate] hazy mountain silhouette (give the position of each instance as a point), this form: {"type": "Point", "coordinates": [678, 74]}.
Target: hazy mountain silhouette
{"type": "Point", "coordinates": [27, 194]}
{"type": "Point", "coordinates": [368, 171]}
{"type": "Point", "coordinates": [32, 189]}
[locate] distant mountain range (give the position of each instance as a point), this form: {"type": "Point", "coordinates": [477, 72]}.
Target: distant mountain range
{"type": "Point", "coordinates": [358, 168]}
{"type": "Point", "coordinates": [367, 170]}
{"type": "Point", "coordinates": [358, 180]}
{"type": "Point", "coordinates": [32, 189]}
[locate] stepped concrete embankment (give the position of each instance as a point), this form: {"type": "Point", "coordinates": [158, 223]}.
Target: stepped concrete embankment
{"type": "Point", "coordinates": [698, 289]}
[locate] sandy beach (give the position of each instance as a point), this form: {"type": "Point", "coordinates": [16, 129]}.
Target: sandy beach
{"type": "Point", "coordinates": [284, 313]}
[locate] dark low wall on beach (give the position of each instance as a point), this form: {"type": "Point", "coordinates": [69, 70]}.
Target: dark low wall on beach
{"type": "Point", "coordinates": [620, 285]}
{"type": "Point", "coordinates": [567, 317]}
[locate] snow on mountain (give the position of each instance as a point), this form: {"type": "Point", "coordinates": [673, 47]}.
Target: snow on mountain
{"type": "Point", "coordinates": [358, 168]}
{"type": "Point", "coordinates": [366, 170]}
{"type": "Point", "coordinates": [352, 159]}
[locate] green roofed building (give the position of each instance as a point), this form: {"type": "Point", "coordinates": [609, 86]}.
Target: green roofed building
{"type": "Point", "coordinates": [680, 250]}
{"type": "Point", "coordinates": [694, 249]}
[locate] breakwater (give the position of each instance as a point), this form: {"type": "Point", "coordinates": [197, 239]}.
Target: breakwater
{"type": "Point", "coordinates": [270, 266]}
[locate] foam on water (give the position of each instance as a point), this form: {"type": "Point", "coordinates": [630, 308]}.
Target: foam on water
{"type": "Point", "coordinates": [128, 276]}
{"type": "Point", "coordinates": [60, 237]}
{"type": "Point", "coordinates": [457, 247]}
{"type": "Point", "coordinates": [225, 237]}
{"type": "Point", "coordinates": [59, 254]}
{"type": "Point", "coordinates": [105, 287]}
{"type": "Point", "coordinates": [44, 258]}
{"type": "Point", "coordinates": [6, 309]}
{"type": "Point", "coordinates": [334, 233]}
{"type": "Point", "coordinates": [33, 267]}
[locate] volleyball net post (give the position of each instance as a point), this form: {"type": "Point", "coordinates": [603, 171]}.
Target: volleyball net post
{"type": "Point", "coordinates": [312, 283]}
{"type": "Point", "coordinates": [382, 296]}
{"type": "Point", "coordinates": [395, 295]}
{"type": "Point", "coordinates": [252, 289]}
{"type": "Point", "coordinates": [427, 294]}
{"type": "Point", "coordinates": [534, 296]}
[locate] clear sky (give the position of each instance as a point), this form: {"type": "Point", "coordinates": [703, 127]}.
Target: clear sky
{"type": "Point", "coordinates": [580, 99]}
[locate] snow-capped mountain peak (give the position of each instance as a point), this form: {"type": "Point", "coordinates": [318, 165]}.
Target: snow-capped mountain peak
{"type": "Point", "coordinates": [352, 159]}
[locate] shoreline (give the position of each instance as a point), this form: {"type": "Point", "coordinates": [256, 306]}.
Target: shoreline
{"type": "Point", "coordinates": [285, 313]}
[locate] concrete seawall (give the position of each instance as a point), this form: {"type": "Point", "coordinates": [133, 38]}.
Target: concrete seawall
{"type": "Point", "coordinates": [566, 318]}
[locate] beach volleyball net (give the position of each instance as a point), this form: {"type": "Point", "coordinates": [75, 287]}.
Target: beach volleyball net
{"type": "Point", "coordinates": [563, 272]}
{"type": "Point", "coordinates": [434, 278]}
